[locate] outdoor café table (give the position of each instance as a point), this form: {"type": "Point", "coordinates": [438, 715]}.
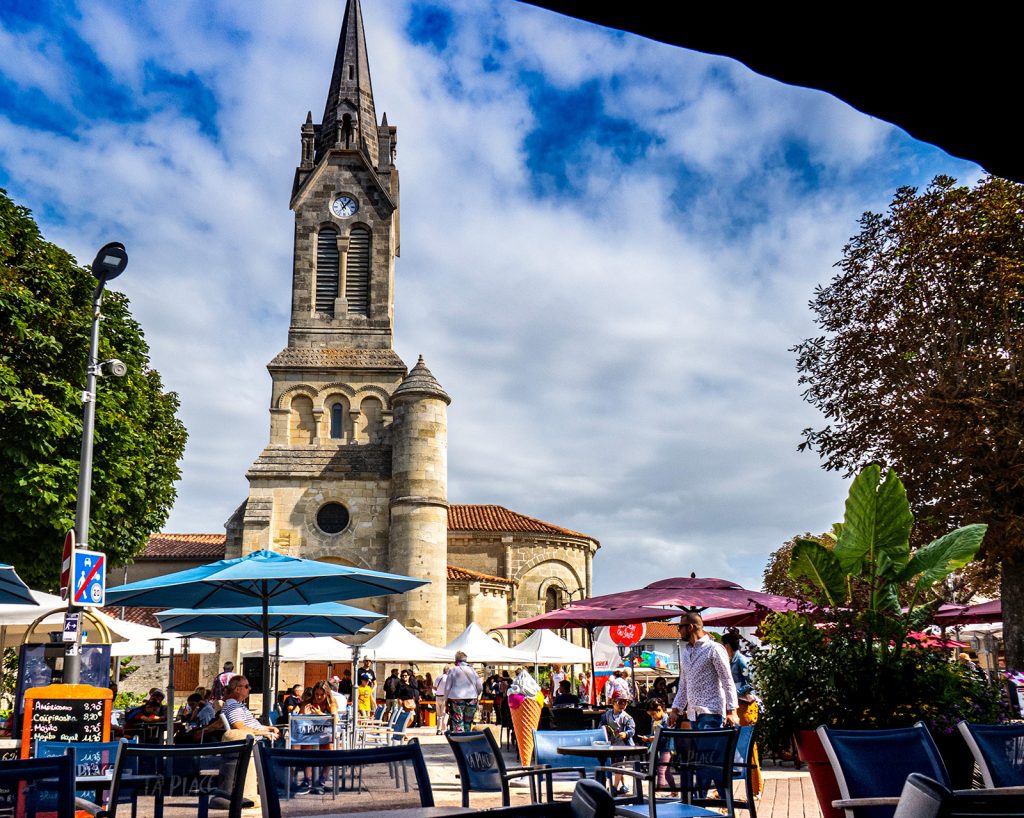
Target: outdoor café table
{"type": "Point", "coordinates": [605, 755]}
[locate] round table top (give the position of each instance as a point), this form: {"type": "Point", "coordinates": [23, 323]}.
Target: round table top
{"type": "Point", "coordinates": [590, 751]}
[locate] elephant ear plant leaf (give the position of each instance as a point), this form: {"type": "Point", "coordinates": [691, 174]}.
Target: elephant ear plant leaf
{"type": "Point", "coordinates": [819, 564]}
{"type": "Point", "coordinates": [872, 560]}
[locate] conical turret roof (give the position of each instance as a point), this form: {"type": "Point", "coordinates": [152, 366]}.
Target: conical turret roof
{"type": "Point", "coordinates": [420, 382]}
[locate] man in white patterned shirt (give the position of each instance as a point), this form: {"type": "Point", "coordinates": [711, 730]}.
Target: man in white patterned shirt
{"type": "Point", "coordinates": [707, 694]}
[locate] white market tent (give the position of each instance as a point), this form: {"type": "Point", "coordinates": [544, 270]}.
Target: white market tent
{"type": "Point", "coordinates": [480, 648]}
{"type": "Point", "coordinates": [547, 647]}
{"type": "Point", "coordinates": [395, 644]}
{"type": "Point", "coordinates": [309, 649]}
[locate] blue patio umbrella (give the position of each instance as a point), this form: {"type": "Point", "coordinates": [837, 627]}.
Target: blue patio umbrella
{"type": "Point", "coordinates": [263, 579]}
{"type": "Point", "coordinates": [12, 590]}
{"type": "Point", "coordinates": [324, 619]}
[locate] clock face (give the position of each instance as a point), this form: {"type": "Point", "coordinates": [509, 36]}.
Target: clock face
{"type": "Point", "coordinates": [344, 206]}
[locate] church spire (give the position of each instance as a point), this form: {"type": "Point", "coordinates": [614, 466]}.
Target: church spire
{"type": "Point", "coordinates": [350, 120]}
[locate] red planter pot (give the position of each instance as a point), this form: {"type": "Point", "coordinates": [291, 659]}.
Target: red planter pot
{"type": "Point", "coordinates": [826, 788]}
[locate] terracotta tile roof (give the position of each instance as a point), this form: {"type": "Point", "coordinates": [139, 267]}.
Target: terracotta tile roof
{"type": "Point", "coordinates": [184, 546]}
{"type": "Point", "coordinates": [499, 518]}
{"type": "Point", "coordinates": [662, 630]}
{"type": "Point", "coordinates": [140, 616]}
{"type": "Point", "coordinates": [465, 574]}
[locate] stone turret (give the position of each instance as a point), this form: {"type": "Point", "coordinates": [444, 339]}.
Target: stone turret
{"type": "Point", "coordinates": [419, 502]}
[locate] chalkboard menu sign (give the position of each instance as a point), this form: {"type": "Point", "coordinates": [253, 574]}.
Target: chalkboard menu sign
{"type": "Point", "coordinates": [65, 713]}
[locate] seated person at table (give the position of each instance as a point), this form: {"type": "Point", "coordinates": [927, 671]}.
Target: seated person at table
{"type": "Point", "coordinates": [655, 708]}
{"type": "Point", "coordinates": [239, 717]}
{"type": "Point", "coordinates": [157, 695]}
{"type": "Point", "coordinates": [620, 728]}
{"type": "Point", "coordinates": [565, 696]}
{"type": "Point", "coordinates": [146, 713]}
{"type": "Point", "coordinates": [293, 701]}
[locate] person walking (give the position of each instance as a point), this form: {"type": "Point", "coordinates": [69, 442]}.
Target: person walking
{"type": "Point", "coordinates": [441, 701]}
{"type": "Point", "coordinates": [706, 694]}
{"type": "Point", "coordinates": [462, 690]}
{"type": "Point", "coordinates": [391, 684]}
{"type": "Point", "coordinates": [746, 709]}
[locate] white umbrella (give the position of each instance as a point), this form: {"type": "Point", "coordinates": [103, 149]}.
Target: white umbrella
{"type": "Point", "coordinates": [15, 620]}
{"type": "Point", "coordinates": [395, 644]}
{"type": "Point", "coordinates": [139, 641]}
{"type": "Point", "coordinates": [480, 648]}
{"type": "Point", "coordinates": [310, 649]}
{"type": "Point", "coordinates": [547, 647]}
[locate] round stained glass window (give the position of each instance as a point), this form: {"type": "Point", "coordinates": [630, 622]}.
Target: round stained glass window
{"type": "Point", "coordinates": [332, 518]}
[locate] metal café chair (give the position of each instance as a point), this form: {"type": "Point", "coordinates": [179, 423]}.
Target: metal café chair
{"type": "Point", "coordinates": [365, 780]}
{"type": "Point", "coordinates": [37, 786]}
{"type": "Point", "coordinates": [871, 766]}
{"type": "Point", "coordinates": [94, 762]}
{"type": "Point", "coordinates": [998, 750]}
{"type": "Point", "coordinates": [681, 767]}
{"type": "Point", "coordinates": [547, 742]}
{"type": "Point", "coordinates": [482, 768]}
{"type": "Point", "coordinates": [188, 776]}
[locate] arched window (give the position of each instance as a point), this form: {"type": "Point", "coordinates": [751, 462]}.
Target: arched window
{"type": "Point", "coordinates": [337, 421]}
{"type": "Point", "coordinates": [326, 270]}
{"type": "Point", "coordinates": [357, 273]}
{"type": "Point", "coordinates": [552, 598]}
{"type": "Point", "coordinates": [302, 428]}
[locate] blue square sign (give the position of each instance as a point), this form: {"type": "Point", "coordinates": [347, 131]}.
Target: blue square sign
{"type": "Point", "coordinates": [89, 578]}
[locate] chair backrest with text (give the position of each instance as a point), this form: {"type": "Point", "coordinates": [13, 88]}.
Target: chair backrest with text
{"type": "Point", "coordinates": [181, 779]}
{"type": "Point", "coordinates": [329, 782]}
{"type": "Point", "coordinates": [481, 764]}
{"type": "Point", "coordinates": [692, 762]}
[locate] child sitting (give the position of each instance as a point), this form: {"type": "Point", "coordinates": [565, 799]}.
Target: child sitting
{"type": "Point", "coordinates": [620, 728]}
{"type": "Point", "coordinates": [659, 718]}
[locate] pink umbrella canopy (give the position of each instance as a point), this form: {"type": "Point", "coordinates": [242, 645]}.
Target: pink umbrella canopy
{"type": "Point", "coordinates": [689, 592]}
{"type": "Point", "coordinates": [578, 616]}
{"type": "Point", "coordinates": [982, 613]}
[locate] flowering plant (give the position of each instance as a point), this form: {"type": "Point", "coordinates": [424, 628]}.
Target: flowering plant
{"type": "Point", "coordinates": [845, 660]}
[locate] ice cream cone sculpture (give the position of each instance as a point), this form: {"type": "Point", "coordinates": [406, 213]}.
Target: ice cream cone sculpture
{"type": "Point", "coordinates": [525, 719]}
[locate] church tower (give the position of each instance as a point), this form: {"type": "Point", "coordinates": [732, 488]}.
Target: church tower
{"type": "Point", "coordinates": [323, 487]}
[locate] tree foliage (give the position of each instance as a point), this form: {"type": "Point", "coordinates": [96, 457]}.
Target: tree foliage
{"type": "Point", "coordinates": [45, 315]}
{"type": "Point", "coordinates": [919, 365]}
{"type": "Point", "coordinates": [776, 578]}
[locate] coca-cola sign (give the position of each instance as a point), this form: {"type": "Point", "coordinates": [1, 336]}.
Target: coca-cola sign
{"type": "Point", "coordinates": [627, 635]}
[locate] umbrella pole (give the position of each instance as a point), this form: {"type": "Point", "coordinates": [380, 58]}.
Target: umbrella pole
{"type": "Point", "coordinates": [593, 669]}
{"type": "Point", "coordinates": [266, 655]}
{"type": "Point", "coordinates": [277, 664]}
{"type": "Point", "coordinates": [170, 698]}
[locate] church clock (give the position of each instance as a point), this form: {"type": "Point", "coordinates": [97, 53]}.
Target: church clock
{"type": "Point", "coordinates": [344, 207]}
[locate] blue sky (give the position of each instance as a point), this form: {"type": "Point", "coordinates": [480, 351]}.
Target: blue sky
{"type": "Point", "coordinates": [608, 245]}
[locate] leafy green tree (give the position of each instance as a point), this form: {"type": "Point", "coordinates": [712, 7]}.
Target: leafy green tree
{"type": "Point", "coordinates": [776, 578]}
{"type": "Point", "coordinates": [920, 366]}
{"type": "Point", "coordinates": [45, 315]}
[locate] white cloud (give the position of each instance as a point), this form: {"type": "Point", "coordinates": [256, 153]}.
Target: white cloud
{"type": "Point", "coordinates": [617, 357]}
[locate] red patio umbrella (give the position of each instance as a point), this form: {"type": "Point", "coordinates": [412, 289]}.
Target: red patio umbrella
{"type": "Point", "coordinates": [982, 613]}
{"type": "Point", "coordinates": [684, 593]}
{"type": "Point", "coordinates": [927, 640]}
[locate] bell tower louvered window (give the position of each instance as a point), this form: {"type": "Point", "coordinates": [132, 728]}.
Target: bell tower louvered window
{"type": "Point", "coordinates": [326, 270]}
{"type": "Point", "coordinates": [357, 278]}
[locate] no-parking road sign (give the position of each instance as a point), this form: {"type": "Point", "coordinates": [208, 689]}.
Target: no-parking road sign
{"type": "Point", "coordinates": [89, 577]}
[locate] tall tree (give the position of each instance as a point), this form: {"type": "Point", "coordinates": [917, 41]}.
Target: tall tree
{"type": "Point", "coordinates": [45, 315]}
{"type": "Point", "coordinates": [919, 366]}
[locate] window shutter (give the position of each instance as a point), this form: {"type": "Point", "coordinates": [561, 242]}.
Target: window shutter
{"type": "Point", "coordinates": [326, 270]}
{"type": "Point", "coordinates": [357, 278]}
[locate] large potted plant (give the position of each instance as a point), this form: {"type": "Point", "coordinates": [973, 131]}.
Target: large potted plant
{"type": "Point", "coordinates": [846, 660]}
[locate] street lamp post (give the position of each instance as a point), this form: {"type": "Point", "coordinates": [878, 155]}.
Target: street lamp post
{"type": "Point", "coordinates": [109, 263]}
